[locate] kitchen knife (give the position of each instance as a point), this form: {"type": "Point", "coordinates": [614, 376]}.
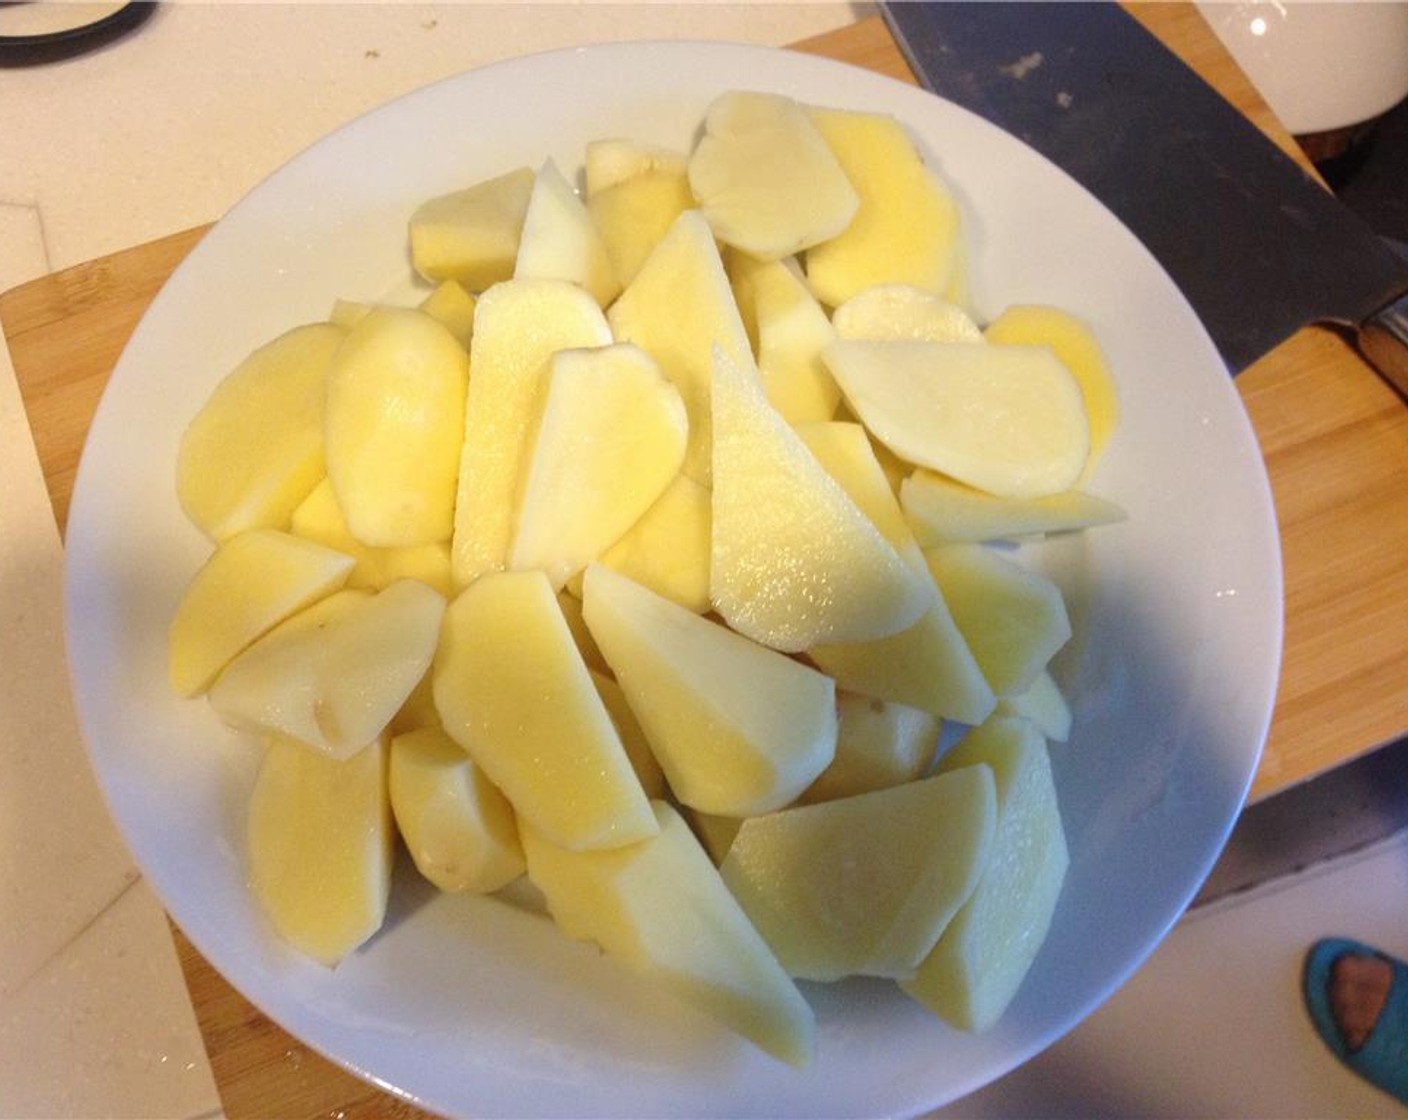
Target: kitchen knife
{"type": "Point", "coordinates": [1347, 809]}
{"type": "Point", "coordinates": [1257, 245]}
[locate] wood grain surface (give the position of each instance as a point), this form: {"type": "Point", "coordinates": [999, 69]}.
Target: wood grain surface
{"type": "Point", "coordinates": [1334, 436]}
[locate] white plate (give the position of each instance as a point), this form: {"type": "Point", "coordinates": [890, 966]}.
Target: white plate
{"type": "Point", "coordinates": [473, 1007]}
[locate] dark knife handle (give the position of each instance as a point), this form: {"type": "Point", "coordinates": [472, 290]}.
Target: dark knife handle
{"type": "Point", "coordinates": [1383, 339]}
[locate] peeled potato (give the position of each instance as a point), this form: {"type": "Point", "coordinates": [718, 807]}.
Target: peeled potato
{"type": "Point", "coordinates": [471, 236]}
{"type": "Point", "coordinates": [320, 845]}
{"type": "Point", "coordinates": [334, 675]}
{"type": "Point", "coordinates": [765, 179]}
{"type": "Point", "coordinates": [395, 425]}
{"type": "Point", "coordinates": [611, 437]}
{"type": "Point", "coordinates": [255, 448]}
{"type": "Point", "coordinates": [906, 229]}
{"type": "Point", "coordinates": [514, 692]}
{"type": "Point", "coordinates": [250, 584]}
{"type": "Point", "coordinates": [560, 241]}
{"type": "Point", "coordinates": [827, 888]}
{"type": "Point", "coordinates": [660, 908]}
{"type": "Point", "coordinates": [736, 727]}
{"type": "Point", "coordinates": [458, 827]}
{"type": "Point", "coordinates": [977, 967]}
{"type": "Point", "coordinates": [1009, 420]}
{"type": "Point", "coordinates": [941, 510]}
{"type": "Point", "coordinates": [788, 537]}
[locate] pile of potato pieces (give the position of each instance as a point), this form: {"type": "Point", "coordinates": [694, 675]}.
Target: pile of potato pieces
{"type": "Point", "coordinates": [648, 556]}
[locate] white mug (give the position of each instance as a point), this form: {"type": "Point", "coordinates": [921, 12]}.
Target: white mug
{"type": "Point", "coordinates": [1321, 67]}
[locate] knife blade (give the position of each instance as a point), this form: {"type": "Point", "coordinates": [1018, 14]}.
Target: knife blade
{"type": "Point", "coordinates": [1258, 247]}
{"type": "Point", "coordinates": [1342, 811]}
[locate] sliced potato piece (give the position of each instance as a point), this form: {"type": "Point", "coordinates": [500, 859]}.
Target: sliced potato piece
{"type": "Point", "coordinates": [320, 843]}
{"type": "Point", "coordinates": [906, 229]}
{"type": "Point", "coordinates": [929, 665]}
{"type": "Point", "coordinates": [795, 563]}
{"type": "Point", "coordinates": [395, 426]}
{"type": "Point", "coordinates": [736, 727]}
{"type": "Point", "coordinates": [250, 584]}
{"type": "Point", "coordinates": [471, 236]}
{"type": "Point", "coordinates": [335, 674]}
{"type": "Point", "coordinates": [979, 963]}
{"type": "Point", "coordinates": [514, 692]}
{"type": "Point", "coordinates": [457, 826]}
{"type": "Point", "coordinates": [660, 908]}
{"type": "Point", "coordinates": [560, 241]}
{"type": "Point", "coordinates": [864, 885]}
{"type": "Point", "coordinates": [766, 180]}
{"type": "Point", "coordinates": [1005, 419]}
{"type": "Point", "coordinates": [679, 309]}
{"type": "Point", "coordinates": [255, 448]}
{"type": "Point", "coordinates": [941, 510]}
{"type": "Point", "coordinates": [1014, 619]}
{"type": "Point", "coordinates": [612, 436]}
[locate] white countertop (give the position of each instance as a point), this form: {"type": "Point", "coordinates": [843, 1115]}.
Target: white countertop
{"type": "Point", "coordinates": [165, 130]}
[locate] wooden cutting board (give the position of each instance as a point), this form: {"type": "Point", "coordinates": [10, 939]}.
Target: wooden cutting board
{"type": "Point", "coordinates": [1334, 437]}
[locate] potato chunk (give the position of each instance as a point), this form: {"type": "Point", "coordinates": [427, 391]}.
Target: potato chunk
{"type": "Point", "coordinates": [249, 585]}
{"type": "Point", "coordinates": [320, 846]}
{"type": "Point", "coordinates": [737, 728]}
{"type": "Point", "coordinates": [979, 963]}
{"type": "Point", "coordinates": [255, 448]}
{"type": "Point", "coordinates": [459, 829]}
{"type": "Point", "coordinates": [395, 426]}
{"type": "Point", "coordinates": [611, 438]}
{"type": "Point", "coordinates": [795, 562]}
{"type": "Point", "coordinates": [679, 308]}
{"type": "Point", "coordinates": [560, 240]}
{"type": "Point", "coordinates": [471, 236]}
{"type": "Point", "coordinates": [766, 181]}
{"type": "Point", "coordinates": [906, 229]}
{"type": "Point", "coordinates": [660, 908]}
{"type": "Point", "coordinates": [1009, 420]}
{"type": "Point", "coordinates": [1014, 619]}
{"type": "Point", "coordinates": [334, 675]}
{"type": "Point", "coordinates": [942, 511]}
{"type": "Point", "coordinates": [514, 692]}
{"type": "Point", "coordinates": [864, 885]}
